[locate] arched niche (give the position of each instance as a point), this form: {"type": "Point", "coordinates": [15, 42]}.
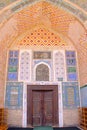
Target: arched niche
{"type": "Point", "coordinates": [42, 72]}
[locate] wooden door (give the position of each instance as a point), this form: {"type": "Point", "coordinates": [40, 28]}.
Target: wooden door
{"type": "Point", "coordinates": [48, 108]}
{"type": "Point", "coordinates": [42, 108]}
{"type": "Point", "coordinates": [42, 105]}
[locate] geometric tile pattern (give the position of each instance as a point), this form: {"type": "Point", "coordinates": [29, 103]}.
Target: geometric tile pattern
{"type": "Point", "coordinates": [71, 66]}
{"type": "Point", "coordinates": [13, 65]}
{"type": "Point", "coordinates": [14, 95]}
{"type": "Point", "coordinates": [25, 66]}
{"type": "Point", "coordinates": [59, 66]}
{"type": "Point", "coordinates": [41, 37]}
{"type": "Point", "coordinates": [70, 94]}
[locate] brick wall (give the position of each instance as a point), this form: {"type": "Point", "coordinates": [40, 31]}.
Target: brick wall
{"type": "Point", "coordinates": [70, 117]}
{"type": "Point", "coordinates": [15, 117]}
{"type": "Point", "coordinates": [2, 73]}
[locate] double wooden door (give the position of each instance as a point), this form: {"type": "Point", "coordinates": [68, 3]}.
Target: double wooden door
{"type": "Point", "coordinates": [42, 109]}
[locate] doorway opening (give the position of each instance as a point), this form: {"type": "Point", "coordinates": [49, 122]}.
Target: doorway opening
{"type": "Point", "coordinates": [42, 105]}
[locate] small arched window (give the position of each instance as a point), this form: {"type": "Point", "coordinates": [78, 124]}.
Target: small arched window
{"type": "Point", "coordinates": [42, 73]}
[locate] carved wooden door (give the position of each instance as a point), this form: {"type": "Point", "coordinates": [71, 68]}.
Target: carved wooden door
{"type": "Point", "coordinates": [42, 112]}
{"type": "Point", "coordinates": [42, 105]}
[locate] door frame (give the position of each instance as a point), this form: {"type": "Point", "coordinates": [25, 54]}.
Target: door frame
{"type": "Point", "coordinates": [54, 88]}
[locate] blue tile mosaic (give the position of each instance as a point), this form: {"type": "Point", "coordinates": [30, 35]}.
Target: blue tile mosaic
{"type": "Point", "coordinates": [12, 76]}
{"type": "Point", "coordinates": [71, 66]}
{"type": "Point", "coordinates": [72, 76]}
{"type": "Point", "coordinates": [70, 54]}
{"type": "Point", "coordinates": [70, 95]}
{"type": "Point", "coordinates": [71, 62]}
{"type": "Point", "coordinates": [13, 61]}
{"type": "Point", "coordinates": [13, 65]}
{"type": "Point", "coordinates": [11, 54]}
{"type": "Point", "coordinates": [16, 53]}
{"type": "Point", "coordinates": [14, 95]}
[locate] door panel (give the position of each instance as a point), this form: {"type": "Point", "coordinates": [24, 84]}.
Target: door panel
{"type": "Point", "coordinates": [42, 108]}
{"type": "Point", "coordinates": [36, 108]}
{"type": "Point", "coordinates": [48, 109]}
{"type": "Point", "coordinates": [42, 105]}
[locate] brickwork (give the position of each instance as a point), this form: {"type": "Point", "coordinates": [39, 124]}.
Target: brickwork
{"type": "Point", "coordinates": [40, 37]}
{"type": "Point", "coordinates": [79, 38]}
{"type": "Point", "coordinates": [42, 13]}
{"type": "Point", "coordinates": [78, 9]}
{"type": "Point", "coordinates": [15, 117]}
{"type": "Point", "coordinates": [70, 117]}
{"type": "Point", "coordinates": [82, 54]}
{"type": "Point", "coordinates": [2, 74]}
{"type": "Point", "coordinates": [46, 14]}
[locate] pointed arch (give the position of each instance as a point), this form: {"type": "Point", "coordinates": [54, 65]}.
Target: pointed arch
{"type": "Point", "coordinates": [42, 72]}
